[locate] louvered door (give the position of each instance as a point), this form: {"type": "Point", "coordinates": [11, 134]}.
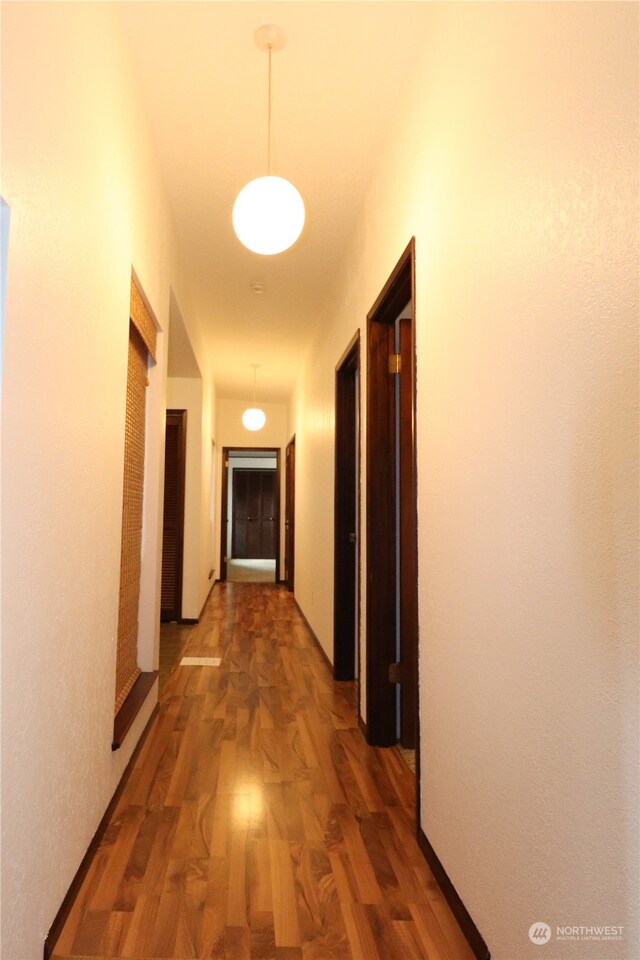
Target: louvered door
{"type": "Point", "coordinates": [173, 519]}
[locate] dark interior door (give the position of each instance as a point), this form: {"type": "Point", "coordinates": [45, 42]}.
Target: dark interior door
{"type": "Point", "coordinates": [345, 619]}
{"type": "Point", "coordinates": [254, 530]}
{"type": "Point", "coordinates": [290, 514]}
{"type": "Point", "coordinates": [173, 515]}
{"type": "Point", "coordinates": [392, 577]}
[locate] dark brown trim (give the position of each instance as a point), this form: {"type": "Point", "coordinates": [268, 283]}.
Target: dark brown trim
{"type": "Point", "coordinates": [451, 895]}
{"type": "Point", "coordinates": [395, 293]}
{"type": "Point", "coordinates": [381, 539]}
{"type": "Point", "coordinates": [381, 571]}
{"type": "Point", "coordinates": [314, 638]}
{"type": "Point", "coordinates": [346, 567]}
{"type": "Point", "coordinates": [65, 907]}
{"type": "Point", "coordinates": [131, 707]}
{"type": "Point", "coordinates": [408, 520]}
{"type": "Point", "coordinates": [189, 621]}
{"type": "Point", "coordinates": [349, 349]}
{"type": "Point", "coordinates": [290, 514]}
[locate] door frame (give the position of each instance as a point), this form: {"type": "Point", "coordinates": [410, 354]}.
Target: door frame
{"type": "Point", "coordinates": [225, 519]}
{"type": "Point", "coordinates": [381, 514]}
{"type": "Point", "coordinates": [290, 514]}
{"type": "Point", "coordinates": [346, 579]}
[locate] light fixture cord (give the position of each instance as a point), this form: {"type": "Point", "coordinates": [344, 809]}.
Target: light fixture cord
{"type": "Point", "coordinates": [269, 120]}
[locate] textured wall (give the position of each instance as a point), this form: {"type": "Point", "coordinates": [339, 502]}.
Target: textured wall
{"type": "Point", "coordinates": [313, 417]}
{"type": "Point", "coordinates": [515, 165]}
{"type": "Point", "coordinates": [86, 205]}
{"type": "Point", "coordinates": [528, 474]}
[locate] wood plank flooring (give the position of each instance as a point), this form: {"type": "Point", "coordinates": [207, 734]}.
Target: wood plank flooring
{"type": "Point", "coordinates": [256, 823]}
{"type": "Point", "coordinates": [173, 639]}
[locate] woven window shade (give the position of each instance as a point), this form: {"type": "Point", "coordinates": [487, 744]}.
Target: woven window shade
{"type": "Point", "coordinates": [127, 670]}
{"type": "Point", "coordinates": [143, 320]}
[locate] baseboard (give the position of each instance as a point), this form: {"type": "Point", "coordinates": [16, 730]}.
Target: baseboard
{"type": "Point", "coordinates": [65, 908]}
{"type": "Point", "coordinates": [314, 638]}
{"type": "Point", "coordinates": [326, 659]}
{"type": "Point", "coordinates": [465, 921]}
{"type": "Point", "coordinates": [132, 706]}
{"type": "Point", "coordinates": [188, 621]}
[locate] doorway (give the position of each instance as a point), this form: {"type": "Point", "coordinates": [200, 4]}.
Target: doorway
{"type": "Point", "coordinates": [392, 550]}
{"type": "Point", "coordinates": [250, 531]}
{"type": "Point", "coordinates": [346, 626]}
{"type": "Point", "coordinates": [173, 515]}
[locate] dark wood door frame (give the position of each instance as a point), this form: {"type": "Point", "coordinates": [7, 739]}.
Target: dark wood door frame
{"type": "Point", "coordinates": [381, 507]}
{"type": "Point", "coordinates": [224, 517]}
{"type": "Point", "coordinates": [346, 594]}
{"type": "Point", "coordinates": [173, 525]}
{"type": "Point", "coordinates": [290, 514]}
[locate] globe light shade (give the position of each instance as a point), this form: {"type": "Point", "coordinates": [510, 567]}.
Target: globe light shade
{"type": "Point", "coordinates": [268, 215]}
{"type": "Point", "coordinates": [254, 418]}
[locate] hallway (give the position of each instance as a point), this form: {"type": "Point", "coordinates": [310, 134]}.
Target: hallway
{"type": "Point", "coordinates": [256, 822]}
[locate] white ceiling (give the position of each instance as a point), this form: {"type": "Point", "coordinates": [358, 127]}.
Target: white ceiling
{"type": "Point", "coordinates": [336, 87]}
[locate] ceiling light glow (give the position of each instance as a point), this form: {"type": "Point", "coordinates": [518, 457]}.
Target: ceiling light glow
{"type": "Point", "coordinates": [254, 418]}
{"type": "Point", "coordinates": [268, 215]}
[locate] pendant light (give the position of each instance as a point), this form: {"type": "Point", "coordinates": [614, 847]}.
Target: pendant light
{"type": "Point", "coordinates": [254, 418]}
{"type": "Point", "coordinates": [268, 215]}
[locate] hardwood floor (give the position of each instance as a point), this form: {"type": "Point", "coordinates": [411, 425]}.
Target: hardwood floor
{"type": "Point", "coordinates": [173, 641]}
{"type": "Point", "coordinates": [256, 822]}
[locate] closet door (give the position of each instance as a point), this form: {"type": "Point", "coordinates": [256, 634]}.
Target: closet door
{"type": "Point", "coordinates": [255, 523]}
{"type": "Point", "coordinates": [173, 518]}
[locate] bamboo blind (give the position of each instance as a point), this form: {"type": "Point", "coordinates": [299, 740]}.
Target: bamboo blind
{"type": "Point", "coordinates": [127, 670]}
{"type": "Point", "coordinates": [143, 320]}
{"type": "Point", "coordinates": [142, 342]}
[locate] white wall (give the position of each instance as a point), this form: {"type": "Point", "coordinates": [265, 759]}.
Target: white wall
{"type": "Point", "coordinates": [5, 218]}
{"type": "Point", "coordinates": [4, 250]}
{"type": "Point", "coordinates": [86, 205]}
{"type": "Point", "coordinates": [187, 394]}
{"type": "Point", "coordinates": [231, 433]}
{"type": "Point", "coordinates": [188, 361]}
{"type": "Point", "coordinates": [515, 165]}
{"type": "Point", "coordinates": [313, 422]}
